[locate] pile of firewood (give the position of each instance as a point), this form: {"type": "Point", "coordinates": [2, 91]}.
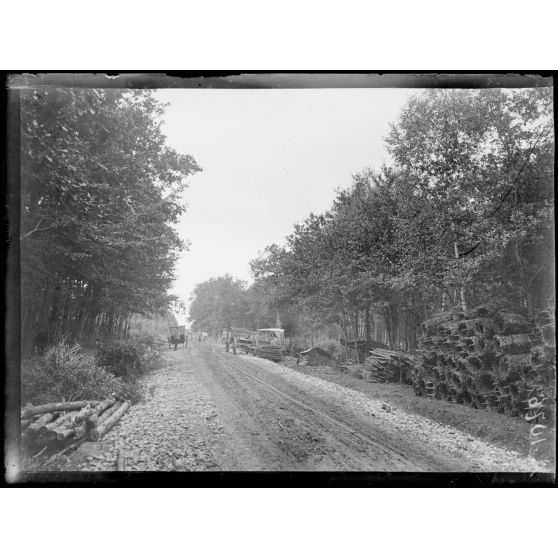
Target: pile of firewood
{"type": "Point", "coordinates": [53, 423]}
{"type": "Point", "coordinates": [271, 352]}
{"type": "Point", "coordinates": [486, 358]}
{"type": "Point", "coordinates": [388, 366]}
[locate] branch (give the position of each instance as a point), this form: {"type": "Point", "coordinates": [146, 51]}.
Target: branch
{"type": "Point", "coordinates": [36, 229]}
{"type": "Point", "coordinates": [471, 249]}
{"type": "Point", "coordinates": [518, 174]}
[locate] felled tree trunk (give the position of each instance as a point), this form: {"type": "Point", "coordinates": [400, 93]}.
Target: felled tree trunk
{"type": "Point", "coordinates": [68, 418]}
{"type": "Point", "coordinates": [36, 427]}
{"type": "Point", "coordinates": [105, 426]}
{"type": "Point", "coordinates": [55, 408]}
{"type": "Point", "coordinates": [112, 409]}
{"type": "Point", "coordinates": [92, 420]}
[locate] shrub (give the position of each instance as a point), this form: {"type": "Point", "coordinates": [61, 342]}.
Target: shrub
{"type": "Point", "coordinates": [129, 358]}
{"type": "Point", "coordinates": [121, 358]}
{"type": "Point", "coordinates": [146, 346]}
{"type": "Point", "coordinates": [64, 373]}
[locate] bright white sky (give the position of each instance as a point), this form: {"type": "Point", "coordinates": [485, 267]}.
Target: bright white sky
{"type": "Point", "coordinates": [270, 157]}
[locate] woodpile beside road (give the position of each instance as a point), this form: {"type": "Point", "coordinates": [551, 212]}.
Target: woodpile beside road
{"type": "Point", "coordinates": [388, 366]}
{"type": "Point", "coordinates": [52, 424]}
{"type": "Point", "coordinates": [487, 359]}
{"type": "Point", "coordinates": [271, 352]}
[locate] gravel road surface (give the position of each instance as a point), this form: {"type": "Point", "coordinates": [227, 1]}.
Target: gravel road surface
{"type": "Point", "coordinates": [208, 410]}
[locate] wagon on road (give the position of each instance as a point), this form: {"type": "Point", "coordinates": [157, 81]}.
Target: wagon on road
{"type": "Point", "coordinates": [177, 336]}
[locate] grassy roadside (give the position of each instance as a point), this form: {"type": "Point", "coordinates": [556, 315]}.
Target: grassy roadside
{"type": "Point", "coordinates": [499, 430]}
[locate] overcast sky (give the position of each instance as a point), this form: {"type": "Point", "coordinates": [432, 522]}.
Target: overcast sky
{"type": "Point", "coordinates": [270, 157]}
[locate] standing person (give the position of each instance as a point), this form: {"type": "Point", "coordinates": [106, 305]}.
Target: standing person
{"type": "Point", "coordinates": [231, 342]}
{"type": "Point", "coordinates": [204, 336]}
{"type": "Point", "coordinates": [199, 337]}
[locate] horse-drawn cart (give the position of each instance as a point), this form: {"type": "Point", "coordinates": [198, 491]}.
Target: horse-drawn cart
{"type": "Point", "coordinates": [177, 336]}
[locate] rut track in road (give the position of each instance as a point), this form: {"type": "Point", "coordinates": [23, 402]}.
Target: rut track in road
{"type": "Point", "coordinates": [339, 423]}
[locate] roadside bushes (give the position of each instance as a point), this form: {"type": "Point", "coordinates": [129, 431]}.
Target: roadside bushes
{"type": "Point", "coordinates": [64, 373]}
{"type": "Point", "coordinates": [130, 358]}
{"type": "Point", "coordinates": [121, 359]}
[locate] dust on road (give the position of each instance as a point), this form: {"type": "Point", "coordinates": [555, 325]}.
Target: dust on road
{"type": "Point", "coordinates": [208, 410]}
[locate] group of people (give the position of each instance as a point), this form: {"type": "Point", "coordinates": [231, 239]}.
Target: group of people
{"type": "Point", "coordinates": [182, 339]}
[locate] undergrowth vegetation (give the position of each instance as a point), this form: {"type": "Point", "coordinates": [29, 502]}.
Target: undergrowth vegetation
{"type": "Point", "coordinates": [66, 373]}
{"type": "Point", "coordinates": [129, 358]}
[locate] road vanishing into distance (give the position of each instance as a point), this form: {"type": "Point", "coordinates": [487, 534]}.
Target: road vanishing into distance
{"type": "Point", "coordinates": [209, 410]}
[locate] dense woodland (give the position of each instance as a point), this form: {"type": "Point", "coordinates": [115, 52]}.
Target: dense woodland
{"type": "Point", "coordinates": [100, 192]}
{"type": "Point", "coordinates": [462, 216]}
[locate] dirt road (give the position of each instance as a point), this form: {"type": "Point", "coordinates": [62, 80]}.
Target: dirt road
{"type": "Point", "coordinates": [211, 410]}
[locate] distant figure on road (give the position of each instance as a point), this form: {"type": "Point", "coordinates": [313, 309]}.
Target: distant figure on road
{"type": "Point", "coordinates": [230, 342]}
{"type": "Point", "coordinates": [199, 337]}
{"type": "Point", "coordinates": [204, 336]}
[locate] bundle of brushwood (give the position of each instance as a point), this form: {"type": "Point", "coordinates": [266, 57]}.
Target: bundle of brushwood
{"type": "Point", "coordinates": [55, 423]}
{"type": "Point", "coordinates": [486, 358]}
{"type": "Point", "coordinates": [389, 366]}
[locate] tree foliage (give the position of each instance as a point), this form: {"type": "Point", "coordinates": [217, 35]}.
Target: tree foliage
{"type": "Point", "coordinates": [463, 216]}
{"type": "Point", "coordinates": [100, 192]}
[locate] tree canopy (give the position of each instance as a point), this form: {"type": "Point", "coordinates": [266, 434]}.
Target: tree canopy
{"type": "Point", "coordinates": [463, 216]}
{"type": "Point", "coordinates": [100, 193]}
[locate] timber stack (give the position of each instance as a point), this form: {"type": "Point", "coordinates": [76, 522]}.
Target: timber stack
{"type": "Point", "coordinates": [487, 358]}
{"type": "Point", "coordinates": [270, 352]}
{"type": "Point", "coordinates": [388, 366]}
{"type": "Point", "coordinates": [51, 425]}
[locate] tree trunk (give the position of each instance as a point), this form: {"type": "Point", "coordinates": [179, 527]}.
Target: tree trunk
{"type": "Point", "coordinates": [444, 300]}
{"type": "Point", "coordinates": [525, 283]}
{"type": "Point", "coordinates": [108, 413]}
{"type": "Point", "coordinates": [355, 335]}
{"type": "Point", "coordinates": [42, 421]}
{"type": "Point", "coordinates": [104, 427]}
{"type": "Point", "coordinates": [367, 330]}
{"type": "Point", "coordinates": [55, 408]}
{"type": "Point", "coordinates": [462, 286]}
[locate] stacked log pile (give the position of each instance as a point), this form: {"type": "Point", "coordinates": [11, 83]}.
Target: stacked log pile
{"type": "Point", "coordinates": [487, 359]}
{"type": "Point", "coordinates": [388, 366]}
{"type": "Point", "coordinates": [271, 352]}
{"type": "Point", "coordinates": [51, 425]}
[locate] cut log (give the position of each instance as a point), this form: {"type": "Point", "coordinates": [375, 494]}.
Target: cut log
{"type": "Point", "coordinates": [93, 419]}
{"type": "Point", "coordinates": [513, 344]}
{"type": "Point", "coordinates": [64, 419]}
{"type": "Point", "coordinates": [104, 405]}
{"type": "Point", "coordinates": [108, 413]}
{"type": "Point", "coordinates": [27, 412]}
{"type": "Point", "coordinates": [82, 415]}
{"type": "Point", "coordinates": [106, 425]}
{"type": "Point", "coordinates": [80, 431]}
{"type": "Point", "coordinates": [36, 427]}
{"type": "Point", "coordinates": [63, 432]}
